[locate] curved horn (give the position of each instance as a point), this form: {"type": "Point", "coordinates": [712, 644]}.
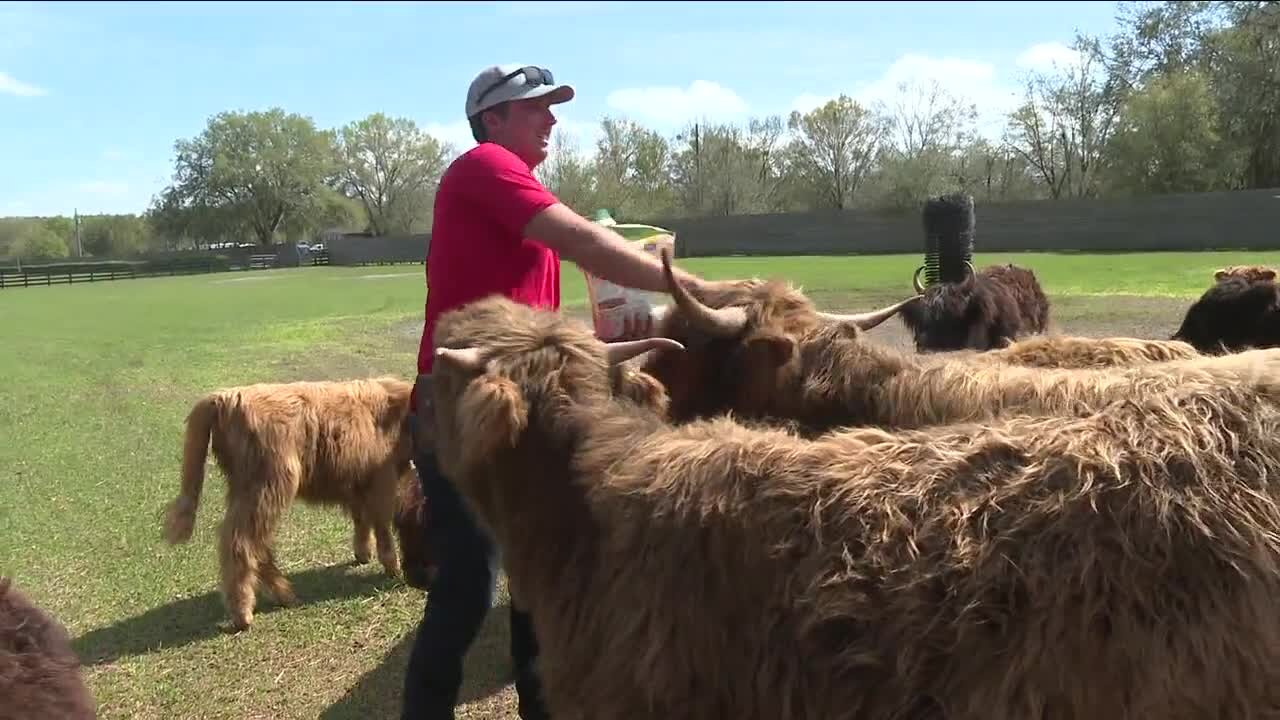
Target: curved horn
{"type": "Point", "coordinates": [618, 352]}
{"type": "Point", "coordinates": [466, 358]}
{"type": "Point", "coordinates": [722, 322]}
{"type": "Point", "coordinates": [915, 281]}
{"type": "Point", "coordinates": [868, 320]}
{"type": "Point", "coordinates": [972, 277]}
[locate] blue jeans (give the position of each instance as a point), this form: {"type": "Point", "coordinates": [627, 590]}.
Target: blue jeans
{"type": "Point", "coordinates": [457, 603]}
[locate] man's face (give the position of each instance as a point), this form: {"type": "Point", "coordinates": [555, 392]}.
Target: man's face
{"type": "Point", "coordinates": [526, 129]}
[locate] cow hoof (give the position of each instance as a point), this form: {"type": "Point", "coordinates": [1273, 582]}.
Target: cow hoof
{"type": "Point", "coordinates": [235, 627]}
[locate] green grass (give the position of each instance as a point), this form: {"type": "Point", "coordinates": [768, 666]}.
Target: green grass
{"type": "Point", "coordinates": [98, 379]}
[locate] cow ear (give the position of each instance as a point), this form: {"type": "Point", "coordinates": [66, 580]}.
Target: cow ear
{"type": "Point", "coordinates": [493, 415]}
{"type": "Point", "coordinates": [774, 348]}
{"type": "Point", "coordinates": [641, 388]}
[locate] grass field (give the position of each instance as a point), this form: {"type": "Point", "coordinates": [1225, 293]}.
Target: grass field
{"type": "Point", "coordinates": [98, 379]}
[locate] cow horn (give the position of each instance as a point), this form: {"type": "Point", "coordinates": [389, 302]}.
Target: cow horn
{"type": "Point", "coordinates": [915, 281]}
{"type": "Point", "coordinates": [971, 277]}
{"type": "Point", "coordinates": [722, 322]}
{"type": "Point", "coordinates": [868, 320]}
{"type": "Point", "coordinates": [622, 351]}
{"type": "Point", "coordinates": [468, 358]}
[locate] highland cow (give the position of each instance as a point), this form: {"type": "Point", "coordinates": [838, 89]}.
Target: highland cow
{"type": "Point", "coordinates": [344, 443]}
{"type": "Point", "coordinates": [985, 311]}
{"type": "Point", "coordinates": [1253, 273]}
{"type": "Point", "coordinates": [1069, 351]}
{"type": "Point", "coordinates": [39, 672]}
{"type": "Point", "coordinates": [763, 351]}
{"type": "Point", "coordinates": [1235, 314]}
{"type": "Point", "coordinates": [1072, 568]}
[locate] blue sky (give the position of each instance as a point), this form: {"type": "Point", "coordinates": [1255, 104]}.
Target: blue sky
{"type": "Point", "coordinates": [94, 95]}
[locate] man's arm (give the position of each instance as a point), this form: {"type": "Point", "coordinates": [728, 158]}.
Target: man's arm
{"type": "Point", "coordinates": [601, 251]}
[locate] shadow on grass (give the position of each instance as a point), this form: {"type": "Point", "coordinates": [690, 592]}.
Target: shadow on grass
{"type": "Point", "coordinates": [202, 617]}
{"type": "Point", "coordinates": [486, 671]}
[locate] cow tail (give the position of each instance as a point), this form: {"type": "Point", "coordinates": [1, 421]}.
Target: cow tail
{"type": "Point", "coordinates": [180, 517]}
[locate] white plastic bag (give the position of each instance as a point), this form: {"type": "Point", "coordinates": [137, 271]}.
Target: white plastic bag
{"type": "Point", "coordinates": [611, 304]}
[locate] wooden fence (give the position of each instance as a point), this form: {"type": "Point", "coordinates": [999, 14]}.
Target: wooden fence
{"type": "Point", "coordinates": [75, 273]}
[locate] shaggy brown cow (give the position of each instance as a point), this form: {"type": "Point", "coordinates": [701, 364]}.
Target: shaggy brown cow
{"type": "Point", "coordinates": [987, 310]}
{"type": "Point", "coordinates": [1235, 314]}
{"type": "Point", "coordinates": [343, 443]}
{"type": "Point", "coordinates": [1253, 273]}
{"type": "Point", "coordinates": [1072, 568]}
{"type": "Point", "coordinates": [762, 350]}
{"type": "Point", "coordinates": [1068, 351]}
{"type": "Point", "coordinates": [39, 672]}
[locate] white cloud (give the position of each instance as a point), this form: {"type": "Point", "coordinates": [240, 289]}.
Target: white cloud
{"type": "Point", "coordinates": [582, 135]}
{"type": "Point", "coordinates": [669, 107]}
{"type": "Point", "coordinates": [806, 102]}
{"type": "Point", "coordinates": [1047, 57]}
{"type": "Point", "coordinates": [994, 91]}
{"type": "Point", "coordinates": [12, 86]}
{"type": "Point", "coordinates": [457, 134]}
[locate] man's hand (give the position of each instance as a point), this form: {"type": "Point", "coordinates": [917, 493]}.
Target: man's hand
{"type": "Point", "coordinates": [599, 250]}
{"type": "Point", "coordinates": [636, 326]}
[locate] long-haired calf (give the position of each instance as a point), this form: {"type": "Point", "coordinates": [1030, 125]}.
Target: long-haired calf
{"type": "Point", "coordinates": [339, 443]}
{"type": "Point", "coordinates": [1115, 566]}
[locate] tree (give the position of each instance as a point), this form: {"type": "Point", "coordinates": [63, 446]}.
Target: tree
{"type": "Point", "coordinates": [835, 149]}
{"type": "Point", "coordinates": [251, 172]}
{"type": "Point", "coordinates": [929, 129]}
{"type": "Point", "coordinates": [1167, 138]}
{"type": "Point", "coordinates": [1244, 62]}
{"type": "Point", "coordinates": [114, 235]}
{"type": "Point", "coordinates": [630, 168]}
{"type": "Point", "coordinates": [35, 240]}
{"type": "Point", "coordinates": [392, 168]}
{"type": "Point", "coordinates": [1065, 122]}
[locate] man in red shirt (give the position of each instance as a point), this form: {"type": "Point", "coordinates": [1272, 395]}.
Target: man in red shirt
{"type": "Point", "coordinates": [497, 230]}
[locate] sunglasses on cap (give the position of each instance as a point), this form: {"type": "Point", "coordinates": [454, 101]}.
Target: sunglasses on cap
{"type": "Point", "coordinates": [533, 77]}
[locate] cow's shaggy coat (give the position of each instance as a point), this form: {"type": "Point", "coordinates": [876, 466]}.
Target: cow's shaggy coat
{"type": "Point", "coordinates": [1069, 351]}
{"type": "Point", "coordinates": [340, 443]}
{"type": "Point", "coordinates": [987, 310]}
{"type": "Point", "coordinates": [1235, 314]}
{"type": "Point", "coordinates": [39, 671]}
{"type": "Point", "coordinates": [1118, 566]}
{"type": "Point", "coordinates": [762, 350]}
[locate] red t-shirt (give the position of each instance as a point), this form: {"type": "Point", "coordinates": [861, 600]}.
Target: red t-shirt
{"type": "Point", "coordinates": [485, 199]}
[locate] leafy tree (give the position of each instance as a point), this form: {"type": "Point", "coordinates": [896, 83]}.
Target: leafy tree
{"type": "Point", "coordinates": [251, 172]}
{"type": "Point", "coordinates": [392, 168]}
{"type": "Point", "coordinates": [1167, 138]}
{"type": "Point", "coordinates": [835, 148]}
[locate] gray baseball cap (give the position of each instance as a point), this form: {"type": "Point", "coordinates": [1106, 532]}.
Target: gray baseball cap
{"type": "Point", "coordinates": [500, 83]}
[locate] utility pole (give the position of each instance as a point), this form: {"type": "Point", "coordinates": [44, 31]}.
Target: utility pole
{"type": "Point", "coordinates": [79, 247]}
